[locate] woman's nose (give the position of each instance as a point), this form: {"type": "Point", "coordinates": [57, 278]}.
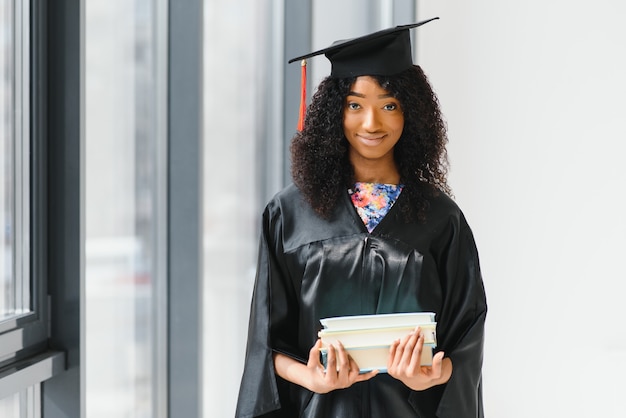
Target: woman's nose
{"type": "Point", "coordinates": [371, 121]}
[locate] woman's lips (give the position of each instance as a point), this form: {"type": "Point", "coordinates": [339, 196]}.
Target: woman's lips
{"type": "Point", "coordinates": [371, 140]}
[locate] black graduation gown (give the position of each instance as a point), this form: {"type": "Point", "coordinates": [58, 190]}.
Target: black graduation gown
{"type": "Point", "coordinates": [310, 268]}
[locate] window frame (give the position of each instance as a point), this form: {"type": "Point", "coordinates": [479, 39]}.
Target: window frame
{"type": "Point", "coordinates": [27, 361]}
{"type": "Point", "coordinates": [26, 333]}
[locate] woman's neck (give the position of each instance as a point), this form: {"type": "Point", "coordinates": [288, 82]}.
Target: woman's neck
{"type": "Point", "coordinates": [376, 173]}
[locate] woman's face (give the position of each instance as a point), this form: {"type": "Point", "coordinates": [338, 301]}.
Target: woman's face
{"type": "Point", "coordinates": [372, 121]}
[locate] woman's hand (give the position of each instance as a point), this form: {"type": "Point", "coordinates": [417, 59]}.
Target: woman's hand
{"type": "Point", "coordinates": [404, 363]}
{"type": "Point", "coordinates": [341, 370]}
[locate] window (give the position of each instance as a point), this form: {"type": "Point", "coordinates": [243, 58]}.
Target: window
{"type": "Point", "coordinates": [22, 324]}
{"type": "Point", "coordinates": [15, 294]}
{"type": "Point", "coordinates": [232, 184]}
{"type": "Point", "coordinates": [125, 186]}
{"type": "Point", "coordinates": [24, 361]}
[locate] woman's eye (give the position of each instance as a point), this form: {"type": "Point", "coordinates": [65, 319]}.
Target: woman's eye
{"type": "Point", "coordinates": [390, 106]}
{"type": "Point", "coordinates": [353, 106]}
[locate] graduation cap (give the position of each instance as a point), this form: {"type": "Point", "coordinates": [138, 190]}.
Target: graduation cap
{"type": "Point", "coordinates": [385, 52]}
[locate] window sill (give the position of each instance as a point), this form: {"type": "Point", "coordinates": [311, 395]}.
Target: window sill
{"type": "Point", "coordinates": [30, 371]}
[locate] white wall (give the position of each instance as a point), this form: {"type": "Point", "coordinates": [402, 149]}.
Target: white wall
{"type": "Point", "coordinates": [534, 93]}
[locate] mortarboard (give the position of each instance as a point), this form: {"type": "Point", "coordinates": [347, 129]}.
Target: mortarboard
{"type": "Point", "coordinates": [385, 52]}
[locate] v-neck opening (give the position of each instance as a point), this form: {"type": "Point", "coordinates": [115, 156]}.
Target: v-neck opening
{"type": "Point", "coordinates": [372, 203]}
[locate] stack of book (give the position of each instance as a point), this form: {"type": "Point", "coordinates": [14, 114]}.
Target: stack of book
{"type": "Point", "coordinates": [367, 338]}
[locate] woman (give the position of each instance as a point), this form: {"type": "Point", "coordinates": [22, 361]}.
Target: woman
{"type": "Point", "coordinates": [368, 227]}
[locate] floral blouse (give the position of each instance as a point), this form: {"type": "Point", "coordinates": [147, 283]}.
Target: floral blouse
{"type": "Point", "coordinates": [373, 200]}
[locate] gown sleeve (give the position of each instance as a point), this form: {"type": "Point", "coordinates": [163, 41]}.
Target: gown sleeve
{"type": "Point", "coordinates": [460, 327]}
{"type": "Point", "coordinates": [272, 307]}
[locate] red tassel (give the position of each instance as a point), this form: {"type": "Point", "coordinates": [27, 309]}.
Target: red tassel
{"type": "Point", "coordinates": [302, 96]}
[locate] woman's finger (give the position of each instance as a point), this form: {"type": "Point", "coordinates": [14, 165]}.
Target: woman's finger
{"type": "Point", "coordinates": [331, 362]}
{"type": "Point", "coordinates": [414, 363]}
{"type": "Point", "coordinates": [437, 365]}
{"type": "Point", "coordinates": [408, 349]}
{"type": "Point", "coordinates": [395, 357]}
{"type": "Point", "coordinates": [343, 359]}
{"type": "Point", "coordinates": [360, 377]}
{"type": "Point", "coordinates": [314, 355]}
{"type": "Point", "coordinates": [393, 350]}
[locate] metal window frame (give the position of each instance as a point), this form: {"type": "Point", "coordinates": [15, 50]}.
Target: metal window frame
{"type": "Point", "coordinates": [63, 84]}
{"type": "Point", "coordinates": [26, 332]}
{"type": "Point", "coordinates": [160, 285]}
{"type": "Point", "coordinates": [20, 167]}
{"type": "Point", "coordinates": [26, 361]}
{"type": "Point", "coordinates": [185, 208]}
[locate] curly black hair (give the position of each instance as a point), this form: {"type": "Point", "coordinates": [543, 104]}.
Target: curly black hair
{"type": "Point", "coordinates": [320, 165]}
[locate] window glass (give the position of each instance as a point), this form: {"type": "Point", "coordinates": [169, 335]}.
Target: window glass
{"type": "Point", "coordinates": [23, 404]}
{"type": "Point", "coordinates": [122, 187]}
{"type": "Point", "coordinates": [10, 406]}
{"type": "Point", "coordinates": [235, 33]}
{"type": "Point", "coordinates": [7, 300]}
{"type": "Point", "coordinates": [14, 145]}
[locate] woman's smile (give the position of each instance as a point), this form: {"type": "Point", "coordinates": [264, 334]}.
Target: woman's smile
{"type": "Point", "coordinates": [369, 139]}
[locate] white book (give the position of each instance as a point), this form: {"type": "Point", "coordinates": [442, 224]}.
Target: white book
{"type": "Point", "coordinates": [378, 320]}
{"type": "Point", "coordinates": [376, 336]}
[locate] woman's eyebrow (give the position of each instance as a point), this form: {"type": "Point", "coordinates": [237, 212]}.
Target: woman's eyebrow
{"type": "Point", "coordinates": [381, 96]}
